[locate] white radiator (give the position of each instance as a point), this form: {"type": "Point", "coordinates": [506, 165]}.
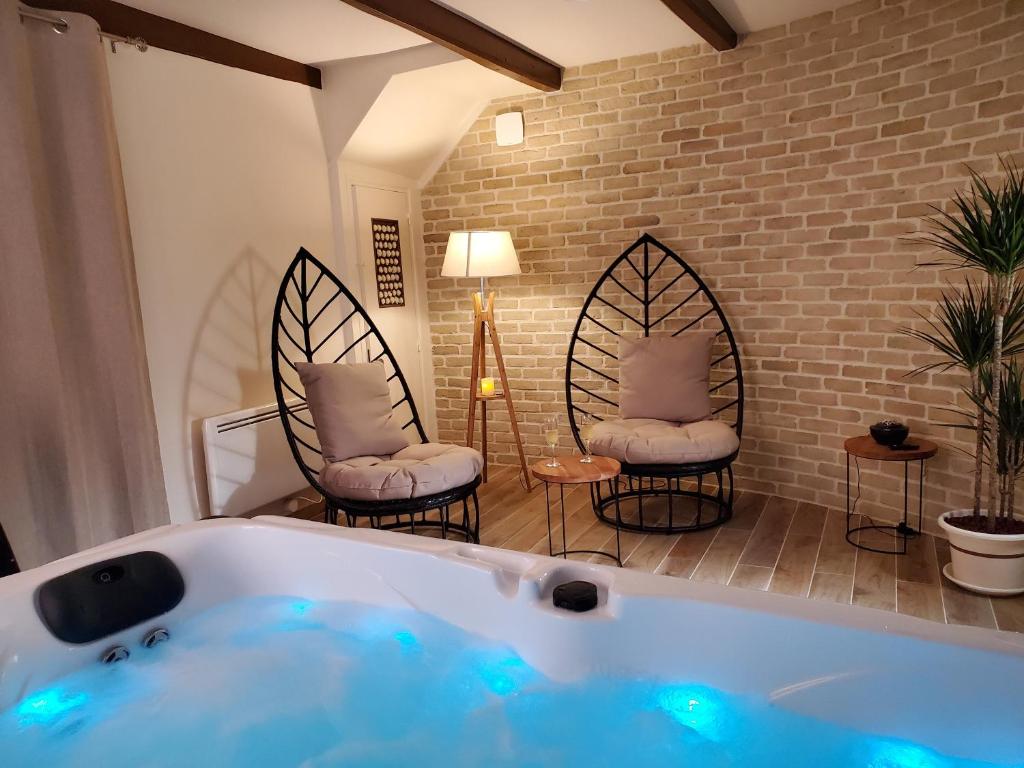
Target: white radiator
{"type": "Point", "coordinates": [248, 462]}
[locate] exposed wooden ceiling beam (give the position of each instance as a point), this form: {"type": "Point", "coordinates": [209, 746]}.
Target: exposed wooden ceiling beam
{"type": "Point", "coordinates": [117, 19]}
{"type": "Point", "coordinates": [704, 19]}
{"type": "Point", "coordinates": [467, 37]}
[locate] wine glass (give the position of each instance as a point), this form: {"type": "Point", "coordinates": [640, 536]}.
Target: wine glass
{"type": "Point", "coordinates": [551, 438]}
{"type": "Point", "coordinates": [586, 435]}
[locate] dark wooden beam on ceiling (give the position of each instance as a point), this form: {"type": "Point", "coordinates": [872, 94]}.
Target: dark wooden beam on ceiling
{"type": "Point", "coordinates": [117, 19]}
{"type": "Point", "coordinates": [704, 19]}
{"type": "Point", "coordinates": [468, 38]}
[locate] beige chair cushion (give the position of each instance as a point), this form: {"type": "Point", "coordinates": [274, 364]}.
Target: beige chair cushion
{"type": "Point", "coordinates": [650, 441]}
{"type": "Point", "coordinates": [351, 409]}
{"type": "Point", "coordinates": [666, 377]}
{"type": "Point", "coordinates": [419, 470]}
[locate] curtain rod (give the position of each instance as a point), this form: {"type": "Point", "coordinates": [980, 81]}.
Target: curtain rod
{"type": "Point", "coordinates": [61, 26]}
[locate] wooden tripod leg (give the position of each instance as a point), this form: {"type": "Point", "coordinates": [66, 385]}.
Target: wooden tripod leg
{"type": "Point", "coordinates": [474, 378]}
{"type": "Point", "coordinates": [481, 373]}
{"type": "Point", "coordinates": [500, 362]}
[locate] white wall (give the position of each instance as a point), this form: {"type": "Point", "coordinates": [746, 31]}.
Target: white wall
{"type": "Point", "coordinates": [226, 177]}
{"type": "Point", "coordinates": [352, 94]}
{"type": "Point", "coordinates": [422, 114]}
{"type": "Point", "coordinates": [406, 328]}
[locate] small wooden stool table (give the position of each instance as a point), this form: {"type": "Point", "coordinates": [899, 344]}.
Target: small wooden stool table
{"type": "Point", "coordinates": [572, 471]}
{"type": "Point", "coordinates": [865, 447]}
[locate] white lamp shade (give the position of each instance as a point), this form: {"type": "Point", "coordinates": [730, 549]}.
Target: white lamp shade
{"type": "Point", "coordinates": [480, 254]}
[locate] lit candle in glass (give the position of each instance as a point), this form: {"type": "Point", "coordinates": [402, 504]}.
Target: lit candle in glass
{"type": "Point", "coordinates": [486, 386]}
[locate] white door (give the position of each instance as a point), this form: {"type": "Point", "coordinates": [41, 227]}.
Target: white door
{"type": "Point", "coordinates": [403, 327]}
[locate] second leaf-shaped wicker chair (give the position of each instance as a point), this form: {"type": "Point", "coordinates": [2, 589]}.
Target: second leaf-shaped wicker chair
{"type": "Point", "coordinates": [649, 290]}
{"type": "Point", "coordinates": [318, 320]}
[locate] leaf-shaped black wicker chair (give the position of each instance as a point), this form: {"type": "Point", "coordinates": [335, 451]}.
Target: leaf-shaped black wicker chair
{"type": "Point", "coordinates": [318, 320]}
{"type": "Point", "coordinates": [650, 289]}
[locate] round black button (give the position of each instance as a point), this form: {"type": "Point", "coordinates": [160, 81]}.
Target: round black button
{"type": "Point", "coordinates": [108, 575]}
{"type": "Point", "coordinates": [578, 596]}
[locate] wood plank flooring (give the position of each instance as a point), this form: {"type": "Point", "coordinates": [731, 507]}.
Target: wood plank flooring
{"type": "Point", "coordinates": [770, 544]}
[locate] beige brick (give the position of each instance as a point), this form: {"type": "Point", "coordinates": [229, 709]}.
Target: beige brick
{"type": "Point", "coordinates": [903, 126]}
{"type": "Point", "coordinates": [1005, 106]}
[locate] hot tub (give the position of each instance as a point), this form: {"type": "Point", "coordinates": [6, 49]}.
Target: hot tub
{"type": "Point", "coordinates": [297, 643]}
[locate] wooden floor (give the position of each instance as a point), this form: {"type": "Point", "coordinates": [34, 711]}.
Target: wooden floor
{"type": "Point", "coordinates": [770, 544]}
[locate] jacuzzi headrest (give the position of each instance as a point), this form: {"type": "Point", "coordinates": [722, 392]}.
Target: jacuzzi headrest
{"type": "Point", "coordinates": [104, 598]}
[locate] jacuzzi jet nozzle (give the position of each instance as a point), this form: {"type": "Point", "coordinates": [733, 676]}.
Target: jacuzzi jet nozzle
{"type": "Point", "coordinates": [155, 637]}
{"type": "Point", "coordinates": [115, 654]}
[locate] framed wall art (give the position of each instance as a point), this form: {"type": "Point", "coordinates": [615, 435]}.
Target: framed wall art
{"type": "Point", "coordinates": [387, 261]}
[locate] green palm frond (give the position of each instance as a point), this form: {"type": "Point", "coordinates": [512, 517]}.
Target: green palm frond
{"type": "Point", "coordinates": [1011, 419]}
{"type": "Point", "coordinates": [982, 399]}
{"type": "Point", "coordinates": [963, 328]}
{"type": "Point", "coordinates": [985, 230]}
{"type": "Point", "coordinates": [1011, 415]}
{"type": "Point", "coordinates": [1013, 323]}
{"type": "Point", "coordinates": [968, 420]}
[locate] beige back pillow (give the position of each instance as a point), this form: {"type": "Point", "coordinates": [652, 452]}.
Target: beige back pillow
{"type": "Point", "coordinates": [351, 409]}
{"type": "Point", "coordinates": [666, 377]}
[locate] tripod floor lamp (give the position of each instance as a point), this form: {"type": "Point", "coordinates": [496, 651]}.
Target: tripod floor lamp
{"type": "Point", "coordinates": [483, 255]}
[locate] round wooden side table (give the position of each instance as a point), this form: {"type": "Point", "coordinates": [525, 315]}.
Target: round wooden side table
{"type": "Point", "coordinates": [865, 447]}
{"type": "Point", "coordinates": [572, 471]}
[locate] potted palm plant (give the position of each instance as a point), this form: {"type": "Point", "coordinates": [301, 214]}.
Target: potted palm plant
{"type": "Point", "coordinates": [979, 327]}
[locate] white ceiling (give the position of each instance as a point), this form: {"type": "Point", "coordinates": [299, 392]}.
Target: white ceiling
{"type": "Point", "coordinates": [573, 32]}
{"type": "Point", "coordinates": [435, 106]}
{"type": "Point", "coordinates": [752, 15]}
{"type": "Point", "coordinates": [305, 30]}
{"type": "Point", "coordinates": [569, 32]}
{"type": "Point", "coordinates": [419, 115]}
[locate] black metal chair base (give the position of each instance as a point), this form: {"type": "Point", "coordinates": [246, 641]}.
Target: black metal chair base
{"type": "Point", "coordinates": [411, 514]}
{"type": "Point", "coordinates": [610, 555]}
{"type": "Point", "coordinates": [712, 509]}
{"type": "Point", "coordinates": [469, 533]}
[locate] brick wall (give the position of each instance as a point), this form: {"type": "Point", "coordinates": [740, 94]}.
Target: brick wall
{"type": "Point", "coordinates": [785, 172]}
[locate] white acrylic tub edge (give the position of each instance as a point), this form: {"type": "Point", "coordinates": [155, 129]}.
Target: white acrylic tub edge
{"type": "Point", "coordinates": [873, 670]}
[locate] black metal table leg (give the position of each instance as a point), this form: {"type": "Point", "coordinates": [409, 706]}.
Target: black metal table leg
{"type": "Point", "coordinates": [640, 501]}
{"type": "Point", "coordinates": [561, 506]}
{"type": "Point", "coordinates": [904, 527]}
{"type": "Point", "coordinates": [848, 515]}
{"type": "Point", "coordinates": [920, 499]}
{"type": "Point", "coordinates": [547, 506]}
{"type": "Point", "coordinates": [565, 551]}
{"type": "Point", "coordinates": [618, 524]}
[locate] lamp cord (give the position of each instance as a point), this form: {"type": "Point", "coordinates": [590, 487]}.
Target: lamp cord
{"type": "Point", "coordinates": [853, 509]}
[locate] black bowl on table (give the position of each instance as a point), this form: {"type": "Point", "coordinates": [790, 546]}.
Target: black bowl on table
{"type": "Point", "coordinates": [889, 433]}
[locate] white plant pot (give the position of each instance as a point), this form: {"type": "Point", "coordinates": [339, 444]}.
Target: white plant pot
{"type": "Point", "coordinates": [984, 562]}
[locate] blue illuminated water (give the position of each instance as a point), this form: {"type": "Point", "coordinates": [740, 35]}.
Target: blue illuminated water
{"type": "Point", "coordinates": [286, 682]}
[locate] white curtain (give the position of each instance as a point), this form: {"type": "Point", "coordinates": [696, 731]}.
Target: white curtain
{"type": "Point", "coordinates": [79, 461]}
